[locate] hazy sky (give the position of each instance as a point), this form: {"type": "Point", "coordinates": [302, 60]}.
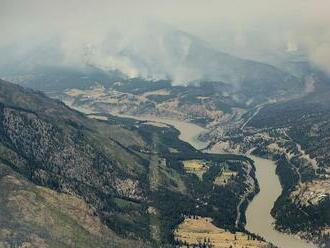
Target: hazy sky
{"type": "Point", "coordinates": [243, 27]}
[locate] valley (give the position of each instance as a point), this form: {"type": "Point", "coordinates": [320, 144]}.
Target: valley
{"type": "Point", "coordinates": [164, 124]}
{"type": "Point", "coordinates": [227, 131]}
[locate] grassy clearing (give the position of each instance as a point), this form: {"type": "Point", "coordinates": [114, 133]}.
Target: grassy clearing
{"type": "Point", "coordinates": [198, 230]}
{"type": "Point", "coordinates": [197, 167]}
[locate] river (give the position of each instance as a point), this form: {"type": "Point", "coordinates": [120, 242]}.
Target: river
{"type": "Point", "coordinates": [258, 216]}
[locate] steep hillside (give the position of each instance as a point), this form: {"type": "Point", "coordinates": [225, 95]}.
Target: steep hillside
{"type": "Point", "coordinates": [34, 216]}
{"type": "Point", "coordinates": [53, 146]}
{"type": "Point", "coordinates": [126, 178]}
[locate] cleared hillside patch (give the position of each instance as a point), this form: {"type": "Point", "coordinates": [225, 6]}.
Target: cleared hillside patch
{"type": "Point", "coordinates": [197, 230]}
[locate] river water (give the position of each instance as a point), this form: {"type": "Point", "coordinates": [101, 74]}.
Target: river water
{"type": "Point", "coordinates": [258, 216]}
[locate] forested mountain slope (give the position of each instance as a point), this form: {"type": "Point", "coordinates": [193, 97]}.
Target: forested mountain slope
{"type": "Point", "coordinates": [119, 181]}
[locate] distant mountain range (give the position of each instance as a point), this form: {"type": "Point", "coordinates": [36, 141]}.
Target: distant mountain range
{"type": "Point", "coordinates": [157, 53]}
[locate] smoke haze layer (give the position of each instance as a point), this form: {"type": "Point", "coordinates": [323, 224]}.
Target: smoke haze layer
{"type": "Point", "coordinates": [149, 38]}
